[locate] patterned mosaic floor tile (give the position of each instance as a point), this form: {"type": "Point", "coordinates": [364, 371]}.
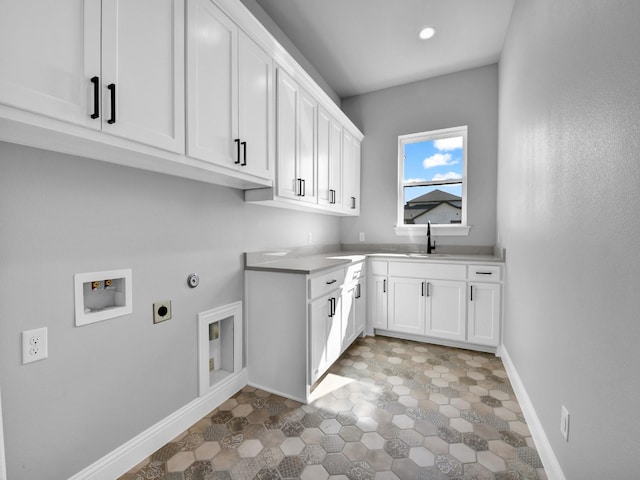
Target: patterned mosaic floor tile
{"type": "Point", "coordinates": [410, 411]}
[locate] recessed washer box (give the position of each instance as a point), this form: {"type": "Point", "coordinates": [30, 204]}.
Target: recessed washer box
{"type": "Point", "coordinates": [102, 295]}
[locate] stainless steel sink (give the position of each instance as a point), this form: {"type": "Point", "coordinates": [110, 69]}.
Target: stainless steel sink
{"type": "Point", "coordinates": [426, 255]}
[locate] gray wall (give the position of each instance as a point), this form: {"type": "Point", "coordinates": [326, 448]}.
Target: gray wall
{"type": "Point", "coordinates": [106, 382]}
{"type": "Point", "coordinates": [568, 203]}
{"type": "Point", "coordinates": [465, 98]}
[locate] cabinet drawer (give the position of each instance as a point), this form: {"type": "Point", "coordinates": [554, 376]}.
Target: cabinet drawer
{"type": "Point", "coordinates": [354, 272]}
{"type": "Point", "coordinates": [326, 282]}
{"type": "Point", "coordinates": [378, 267]}
{"type": "Point", "coordinates": [485, 273]}
{"type": "Point", "coordinates": [428, 270]}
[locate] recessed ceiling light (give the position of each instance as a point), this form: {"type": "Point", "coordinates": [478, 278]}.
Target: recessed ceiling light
{"type": "Point", "coordinates": [426, 33]}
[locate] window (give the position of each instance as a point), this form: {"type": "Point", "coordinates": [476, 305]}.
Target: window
{"type": "Point", "coordinates": [432, 180]}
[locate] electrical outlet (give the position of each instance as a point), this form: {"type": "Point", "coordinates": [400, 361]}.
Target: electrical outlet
{"type": "Point", "coordinates": [564, 423]}
{"type": "Point", "coordinates": [161, 311]}
{"type": "Point", "coordinates": [34, 345]}
{"type": "Point", "coordinates": [362, 236]}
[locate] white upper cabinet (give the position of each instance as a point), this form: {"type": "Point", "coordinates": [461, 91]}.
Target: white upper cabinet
{"type": "Point", "coordinates": [296, 133]}
{"type": "Point", "coordinates": [212, 56]}
{"type": "Point", "coordinates": [351, 174]}
{"type": "Point", "coordinates": [329, 154]}
{"type": "Point", "coordinates": [50, 51]}
{"type": "Point", "coordinates": [230, 94]}
{"type": "Point", "coordinates": [88, 63]}
{"type": "Point", "coordinates": [143, 71]}
{"type": "Point", "coordinates": [113, 80]}
{"type": "Point", "coordinates": [256, 105]}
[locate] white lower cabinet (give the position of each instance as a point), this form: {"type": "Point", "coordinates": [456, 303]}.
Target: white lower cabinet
{"type": "Point", "coordinates": [353, 312]}
{"type": "Point", "coordinates": [407, 305]}
{"type": "Point", "coordinates": [436, 301]}
{"type": "Point", "coordinates": [378, 302]}
{"type": "Point", "coordinates": [298, 325]}
{"type": "Point", "coordinates": [446, 309]}
{"type": "Point", "coordinates": [324, 334]}
{"type": "Point", "coordinates": [484, 313]}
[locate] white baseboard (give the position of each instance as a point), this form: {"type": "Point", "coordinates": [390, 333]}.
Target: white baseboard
{"type": "Point", "coordinates": [3, 466]}
{"type": "Point", "coordinates": [128, 455]}
{"type": "Point", "coordinates": [549, 460]}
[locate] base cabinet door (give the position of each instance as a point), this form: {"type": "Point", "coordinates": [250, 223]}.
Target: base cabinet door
{"type": "Point", "coordinates": [484, 314]}
{"type": "Point", "coordinates": [348, 315]}
{"type": "Point", "coordinates": [407, 305]}
{"type": "Point", "coordinates": [378, 296]}
{"type": "Point", "coordinates": [361, 307]}
{"type": "Point", "coordinates": [319, 323]}
{"type": "Point", "coordinates": [354, 312]}
{"type": "Point", "coordinates": [325, 334]}
{"type": "Point", "coordinates": [446, 309]}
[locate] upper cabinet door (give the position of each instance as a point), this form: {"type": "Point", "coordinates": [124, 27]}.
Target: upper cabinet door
{"type": "Point", "coordinates": [288, 183]}
{"type": "Point", "coordinates": [296, 141]}
{"type": "Point", "coordinates": [256, 105]}
{"type": "Point", "coordinates": [212, 53]}
{"type": "Point", "coordinates": [329, 158]}
{"type": "Point", "coordinates": [351, 174]}
{"type": "Point", "coordinates": [143, 71]}
{"type": "Point", "coordinates": [307, 147]}
{"type": "Point", "coordinates": [50, 51]}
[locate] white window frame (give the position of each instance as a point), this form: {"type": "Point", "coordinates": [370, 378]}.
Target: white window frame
{"type": "Point", "coordinates": [461, 229]}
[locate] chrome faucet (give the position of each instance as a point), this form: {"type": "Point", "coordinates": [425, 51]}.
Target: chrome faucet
{"type": "Point", "coordinates": [430, 247]}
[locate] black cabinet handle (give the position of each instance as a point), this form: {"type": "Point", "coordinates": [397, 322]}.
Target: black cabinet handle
{"type": "Point", "coordinates": [358, 292]}
{"type": "Point", "coordinates": [384, 286]}
{"type": "Point", "coordinates": [472, 293]}
{"type": "Point", "coordinates": [333, 197]}
{"type": "Point", "coordinates": [428, 285]}
{"type": "Point", "coordinates": [112, 89]}
{"type": "Point", "coordinates": [237, 162]}
{"type": "Point", "coordinates": [332, 307]}
{"type": "Point", "coordinates": [244, 157]}
{"type": "Point", "coordinates": [353, 202]}
{"type": "Point", "coordinates": [484, 273]}
{"type": "Point", "coordinates": [302, 188]}
{"type": "Point", "coordinates": [423, 287]}
{"type": "Point", "coordinates": [96, 97]}
{"type": "Point", "coordinates": [331, 282]}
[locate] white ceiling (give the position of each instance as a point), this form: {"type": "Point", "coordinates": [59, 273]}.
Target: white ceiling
{"type": "Point", "coordinates": [360, 46]}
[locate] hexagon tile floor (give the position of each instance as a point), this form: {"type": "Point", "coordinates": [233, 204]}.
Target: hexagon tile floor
{"type": "Point", "coordinates": [389, 409]}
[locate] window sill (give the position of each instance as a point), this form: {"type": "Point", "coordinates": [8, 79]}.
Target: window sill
{"type": "Point", "coordinates": [436, 230]}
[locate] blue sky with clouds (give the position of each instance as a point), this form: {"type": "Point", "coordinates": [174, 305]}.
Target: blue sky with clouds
{"type": "Point", "coordinates": [431, 161]}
